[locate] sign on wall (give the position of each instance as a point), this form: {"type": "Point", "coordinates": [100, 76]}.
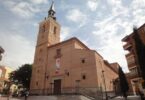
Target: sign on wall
{"type": "Point", "coordinates": [57, 65]}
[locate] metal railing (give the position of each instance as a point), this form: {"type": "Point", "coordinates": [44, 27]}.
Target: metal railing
{"type": "Point", "coordinates": [95, 93]}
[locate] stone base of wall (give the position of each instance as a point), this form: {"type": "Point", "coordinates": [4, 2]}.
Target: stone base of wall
{"type": "Point", "coordinates": [91, 92]}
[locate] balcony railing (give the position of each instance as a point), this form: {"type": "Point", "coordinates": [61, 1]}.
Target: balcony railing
{"type": "Point", "coordinates": [128, 55]}
{"type": "Point", "coordinates": [127, 46]}
{"type": "Point", "coordinates": [130, 60]}
{"type": "Point", "coordinates": [134, 72]}
{"type": "Point", "coordinates": [134, 75]}
{"type": "Point", "coordinates": [130, 65]}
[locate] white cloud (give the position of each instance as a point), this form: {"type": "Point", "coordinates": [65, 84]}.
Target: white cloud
{"type": "Point", "coordinates": [75, 15]}
{"type": "Point", "coordinates": [109, 26]}
{"type": "Point", "coordinates": [136, 4]}
{"type": "Point", "coordinates": [117, 26]}
{"type": "Point", "coordinates": [39, 1]}
{"type": "Point", "coordinates": [22, 9]}
{"type": "Point", "coordinates": [112, 50]}
{"type": "Point", "coordinates": [117, 8]}
{"type": "Point", "coordinates": [137, 8]}
{"type": "Point", "coordinates": [92, 4]}
{"type": "Point", "coordinates": [114, 2]}
{"type": "Point", "coordinates": [18, 50]}
{"type": "Point", "coordinates": [65, 31]}
{"type": "Point", "coordinates": [108, 31]}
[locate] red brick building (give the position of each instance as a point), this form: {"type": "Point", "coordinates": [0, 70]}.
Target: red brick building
{"type": "Point", "coordinates": [131, 58]}
{"type": "Point", "coordinates": [62, 67]}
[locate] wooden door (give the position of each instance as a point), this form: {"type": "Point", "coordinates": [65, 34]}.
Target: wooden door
{"type": "Point", "coordinates": [57, 87]}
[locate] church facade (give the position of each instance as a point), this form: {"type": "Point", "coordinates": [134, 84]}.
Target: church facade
{"type": "Point", "coordinates": [68, 66]}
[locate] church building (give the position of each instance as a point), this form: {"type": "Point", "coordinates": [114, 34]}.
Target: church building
{"type": "Point", "coordinates": [68, 66]}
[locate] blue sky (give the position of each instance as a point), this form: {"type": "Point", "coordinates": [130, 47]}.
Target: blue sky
{"type": "Point", "coordinates": [100, 24]}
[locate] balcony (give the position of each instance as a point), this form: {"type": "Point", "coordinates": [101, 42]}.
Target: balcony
{"type": "Point", "coordinates": [128, 55]}
{"type": "Point", "coordinates": [131, 65]}
{"type": "Point", "coordinates": [127, 46]}
{"type": "Point", "coordinates": [130, 60]}
{"type": "Point", "coordinates": [133, 73]}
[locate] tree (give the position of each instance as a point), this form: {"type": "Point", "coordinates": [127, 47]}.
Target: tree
{"type": "Point", "coordinates": [22, 75]}
{"type": "Point", "coordinates": [123, 82]}
{"type": "Point", "coordinates": [140, 52]}
{"type": "Point", "coordinates": [1, 51]}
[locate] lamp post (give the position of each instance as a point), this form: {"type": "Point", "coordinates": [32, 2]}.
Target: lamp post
{"type": "Point", "coordinates": [104, 84]}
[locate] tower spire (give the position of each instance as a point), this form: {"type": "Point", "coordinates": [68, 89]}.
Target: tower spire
{"type": "Point", "coordinates": [51, 11]}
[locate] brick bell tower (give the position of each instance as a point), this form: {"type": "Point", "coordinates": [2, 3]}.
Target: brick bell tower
{"type": "Point", "coordinates": [49, 29]}
{"type": "Point", "coordinates": [49, 34]}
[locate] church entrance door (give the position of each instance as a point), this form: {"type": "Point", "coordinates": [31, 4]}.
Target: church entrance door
{"type": "Point", "coordinates": [57, 86]}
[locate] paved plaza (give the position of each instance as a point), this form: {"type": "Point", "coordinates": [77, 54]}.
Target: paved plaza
{"type": "Point", "coordinates": [72, 97]}
{"type": "Point", "coordinates": [64, 97]}
{"type": "Point", "coordinates": [129, 98]}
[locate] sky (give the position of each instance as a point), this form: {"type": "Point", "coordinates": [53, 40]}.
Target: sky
{"type": "Point", "coordinates": [100, 24]}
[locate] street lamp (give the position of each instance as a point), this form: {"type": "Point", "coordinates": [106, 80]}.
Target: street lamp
{"type": "Point", "coordinates": [104, 84]}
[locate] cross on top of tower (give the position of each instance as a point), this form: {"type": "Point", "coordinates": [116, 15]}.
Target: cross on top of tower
{"type": "Point", "coordinates": [51, 11]}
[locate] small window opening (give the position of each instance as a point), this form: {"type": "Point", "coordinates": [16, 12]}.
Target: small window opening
{"type": "Point", "coordinates": [83, 60]}
{"type": "Point", "coordinates": [37, 83]}
{"type": "Point", "coordinates": [47, 77]}
{"type": "Point", "coordinates": [55, 30]}
{"type": "Point", "coordinates": [67, 73]}
{"type": "Point", "coordinates": [83, 77]}
{"type": "Point", "coordinates": [58, 51]}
